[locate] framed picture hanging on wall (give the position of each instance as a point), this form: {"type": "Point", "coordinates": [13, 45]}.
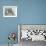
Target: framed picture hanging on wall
{"type": "Point", "coordinates": [9, 11]}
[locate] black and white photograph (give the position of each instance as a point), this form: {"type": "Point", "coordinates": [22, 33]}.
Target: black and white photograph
{"type": "Point", "coordinates": [28, 34]}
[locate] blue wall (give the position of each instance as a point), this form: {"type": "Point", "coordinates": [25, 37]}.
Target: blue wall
{"type": "Point", "coordinates": [29, 12]}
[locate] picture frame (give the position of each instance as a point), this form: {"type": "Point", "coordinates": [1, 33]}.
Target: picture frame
{"type": "Point", "coordinates": [39, 28]}
{"type": "Point", "coordinates": [9, 11]}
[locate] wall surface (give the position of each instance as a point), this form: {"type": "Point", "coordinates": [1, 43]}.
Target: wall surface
{"type": "Point", "coordinates": [29, 12]}
{"type": "Point", "coordinates": [7, 25]}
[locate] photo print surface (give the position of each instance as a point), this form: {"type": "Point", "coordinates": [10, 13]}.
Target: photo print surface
{"type": "Point", "coordinates": [9, 11]}
{"type": "Point", "coordinates": [33, 32]}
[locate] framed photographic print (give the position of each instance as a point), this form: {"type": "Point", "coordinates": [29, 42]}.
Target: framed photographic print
{"type": "Point", "coordinates": [9, 11]}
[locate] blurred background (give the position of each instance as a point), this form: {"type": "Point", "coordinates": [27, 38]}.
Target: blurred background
{"type": "Point", "coordinates": [28, 12]}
